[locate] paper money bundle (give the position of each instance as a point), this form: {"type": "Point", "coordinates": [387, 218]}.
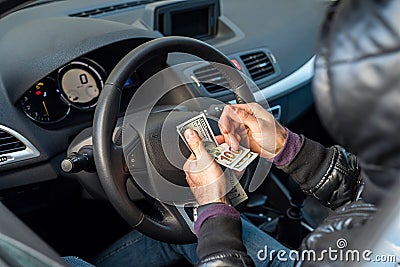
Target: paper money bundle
{"type": "Point", "coordinates": [236, 160]}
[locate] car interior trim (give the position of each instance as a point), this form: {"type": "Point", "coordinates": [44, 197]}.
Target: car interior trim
{"type": "Point", "coordinates": [185, 216]}
{"type": "Point", "coordinates": [276, 111]}
{"type": "Point", "coordinates": [301, 76]}
{"type": "Point", "coordinates": [11, 247]}
{"type": "Point", "coordinates": [28, 153]}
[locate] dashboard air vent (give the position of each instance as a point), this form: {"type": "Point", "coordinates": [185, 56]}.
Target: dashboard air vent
{"type": "Point", "coordinates": [258, 64]}
{"type": "Point", "coordinates": [107, 9]}
{"type": "Point", "coordinates": [9, 143]}
{"type": "Point", "coordinates": [211, 79]}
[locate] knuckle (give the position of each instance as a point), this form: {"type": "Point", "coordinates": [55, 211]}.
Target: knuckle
{"type": "Point", "coordinates": [244, 114]}
{"type": "Point", "coordinates": [194, 145]}
{"type": "Point", "coordinates": [252, 105]}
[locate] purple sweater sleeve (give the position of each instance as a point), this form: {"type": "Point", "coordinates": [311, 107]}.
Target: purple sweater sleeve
{"type": "Point", "coordinates": [213, 211]}
{"type": "Point", "coordinates": [290, 149]}
{"type": "Point", "coordinates": [219, 231]}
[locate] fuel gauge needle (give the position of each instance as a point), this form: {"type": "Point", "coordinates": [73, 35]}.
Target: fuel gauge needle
{"type": "Point", "coordinates": [45, 108]}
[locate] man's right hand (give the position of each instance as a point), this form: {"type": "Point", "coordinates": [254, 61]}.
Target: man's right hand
{"type": "Point", "coordinates": [254, 127]}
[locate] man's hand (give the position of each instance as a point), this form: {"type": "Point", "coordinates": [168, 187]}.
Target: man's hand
{"type": "Point", "coordinates": [254, 127]}
{"type": "Point", "coordinates": [204, 176]}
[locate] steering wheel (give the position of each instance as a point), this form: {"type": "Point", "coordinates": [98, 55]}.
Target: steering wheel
{"type": "Point", "coordinates": [109, 157]}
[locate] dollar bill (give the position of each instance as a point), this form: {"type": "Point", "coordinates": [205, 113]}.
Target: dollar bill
{"type": "Point", "coordinates": [237, 194]}
{"type": "Point", "coordinates": [233, 159]}
{"type": "Point", "coordinates": [203, 129]}
{"type": "Point", "coordinates": [228, 157]}
{"type": "Point", "coordinates": [245, 161]}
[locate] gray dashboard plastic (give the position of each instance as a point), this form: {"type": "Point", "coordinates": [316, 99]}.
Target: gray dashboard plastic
{"type": "Point", "coordinates": [31, 50]}
{"type": "Point", "coordinates": [36, 41]}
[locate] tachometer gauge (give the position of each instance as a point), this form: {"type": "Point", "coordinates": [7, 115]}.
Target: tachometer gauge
{"type": "Point", "coordinates": [81, 83]}
{"type": "Point", "coordinates": [43, 103]}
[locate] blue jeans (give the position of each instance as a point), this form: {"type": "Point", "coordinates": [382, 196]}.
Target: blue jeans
{"type": "Point", "coordinates": [136, 249]}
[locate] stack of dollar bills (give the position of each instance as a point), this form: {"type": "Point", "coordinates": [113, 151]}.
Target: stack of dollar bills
{"type": "Point", "coordinates": [236, 160]}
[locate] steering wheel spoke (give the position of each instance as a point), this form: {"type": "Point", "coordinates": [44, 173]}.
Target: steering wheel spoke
{"type": "Point", "coordinates": [119, 162]}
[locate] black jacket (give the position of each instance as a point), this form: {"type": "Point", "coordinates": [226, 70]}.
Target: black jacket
{"type": "Point", "coordinates": [330, 174]}
{"type": "Point", "coordinates": [356, 87]}
{"type": "Point", "coordinates": [356, 90]}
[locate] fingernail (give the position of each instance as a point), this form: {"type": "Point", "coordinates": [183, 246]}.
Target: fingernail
{"type": "Point", "coordinates": [235, 146]}
{"type": "Point", "coordinates": [234, 110]}
{"type": "Point", "coordinates": [189, 133]}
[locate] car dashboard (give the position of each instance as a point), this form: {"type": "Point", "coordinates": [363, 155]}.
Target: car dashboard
{"type": "Point", "coordinates": [57, 55]}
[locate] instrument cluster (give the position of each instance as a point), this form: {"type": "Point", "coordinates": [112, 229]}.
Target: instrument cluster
{"type": "Point", "coordinates": [76, 85]}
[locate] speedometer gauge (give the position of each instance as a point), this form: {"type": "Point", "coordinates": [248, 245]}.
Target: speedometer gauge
{"type": "Point", "coordinates": [43, 103]}
{"type": "Point", "coordinates": [81, 83]}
